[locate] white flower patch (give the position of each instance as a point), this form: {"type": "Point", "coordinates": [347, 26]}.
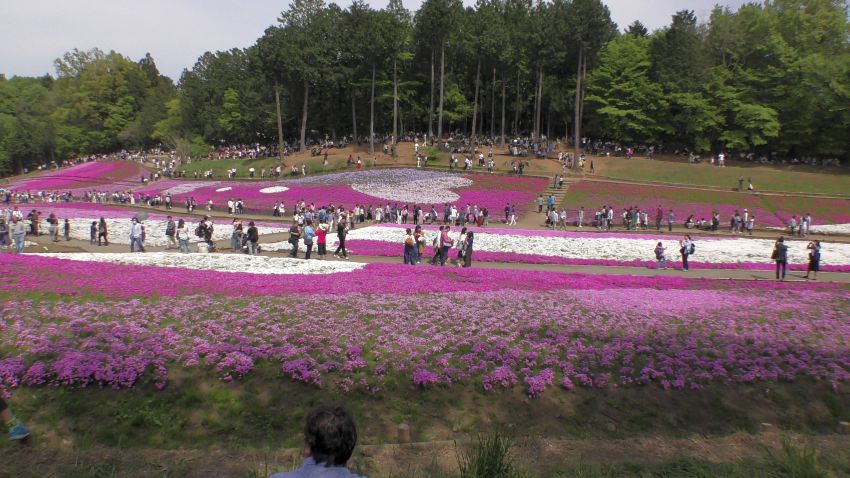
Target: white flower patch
{"type": "Point", "coordinates": [216, 262]}
{"type": "Point", "coordinates": [274, 189]}
{"type": "Point", "coordinates": [425, 191]}
{"type": "Point", "coordinates": [831, 229]}
{"type": "Point", "coordinates": [222, 190]}
{"type": "Point", "coordinates": [119, 230]}
{"type": "Point", "coordinates": [188, 187]}
{"type": "Point", "coordinates": [719, 251]}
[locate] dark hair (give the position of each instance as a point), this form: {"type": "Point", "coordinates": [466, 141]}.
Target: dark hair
{"type": "Point", "coordinates": [331, 435]}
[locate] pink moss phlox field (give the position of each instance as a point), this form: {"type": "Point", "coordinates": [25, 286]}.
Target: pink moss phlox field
{"type": "Point", "coordinates": [363, 247]}
{"type": "Point", "coordinates": [50, 274]}
{"type": "Point", "coordinates": [617, 331]}
{"type": "Point", "coordinates": [336, 189]}
{"type": "Point", "coordinates": [96, 175]}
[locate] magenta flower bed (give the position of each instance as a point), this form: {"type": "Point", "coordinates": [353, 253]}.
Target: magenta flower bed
{"type": "Point", "coordinates": [48, 274]}
{"type": "Point", "coordinates": [320, 193]}
{"type": "Point", "coordinates": [599, 332]}
{"type": "Point", "coordinates": [96, 175]}
{"type": "Point", "coordinates": [388, 249]}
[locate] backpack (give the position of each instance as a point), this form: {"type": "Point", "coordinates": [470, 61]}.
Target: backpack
{"type": "Point", "coordinates": [693, 248]}
{"type": "Point", "coordinates": [199, 231]}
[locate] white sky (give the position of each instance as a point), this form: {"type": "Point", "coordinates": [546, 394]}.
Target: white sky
{"type": "Point", "coordinates": [33, 33]}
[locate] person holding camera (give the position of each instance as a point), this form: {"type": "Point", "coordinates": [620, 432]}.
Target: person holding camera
{"type": "Point", "coordinates": [814, 259]}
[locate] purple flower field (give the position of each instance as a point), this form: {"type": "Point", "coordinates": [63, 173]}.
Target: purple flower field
{"type": "Point", "coordinates": [573, 338]}
{"type": "Point", "coordinates": [382, 327]}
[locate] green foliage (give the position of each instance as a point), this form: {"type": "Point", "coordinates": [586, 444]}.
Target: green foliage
{"type": "Point", "coordinates": [490, 457]}
{"type": "Point", "coordinates": [624, 97]}
{"type": "Point", "coordinates": [767, 77]}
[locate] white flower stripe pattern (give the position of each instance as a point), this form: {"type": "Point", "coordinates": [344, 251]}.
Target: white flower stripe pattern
{"type": "Point", "coordinates": [718, 251]}
{"type": "Point", "coordinates": [420, 191]}
{"type": "Point", "coordinates": [119, 230]}
{"type": "Point", "coordinates": [216, 262]}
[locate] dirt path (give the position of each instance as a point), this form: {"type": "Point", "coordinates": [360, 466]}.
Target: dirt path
{"type": "Point", "coordinates": [540, 454]}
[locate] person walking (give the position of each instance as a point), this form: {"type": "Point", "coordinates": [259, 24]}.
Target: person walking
{"type": "Point", "coordinates": [460, 244]}
{"type": "Point", "coordinates": [419, 247]}
{"type": "Point", "coordinates": [253, 239]}
{"type": "Point", "coordinates": [659, 217]}
{"type": "Point", "coordinates": [445, 244]}
{"type": "Point", "coordinates": [660, 256]}
{"type": "Point", "coordinates": [170, 232]}
{"type": "Point", "coordinates": [322, 240]}
{"type": "Point", "coordinates": [18, 231]}
{"type": "Point", "coordinates": [780, 256]}
{"type": "Point", "coordinates": [4, 233]}
{"type": "Point", "coordinates": [67, 230]}
{"type": "Point", "coordinates": [670, 218]}
{"type": "Point", "coordinates": [137, 236]}
{"type": "Point", "coordinates": [814, 259]}
{"type": "Point", "coordinates": [236, 235]}
{"type": "Point", "coordinates": [687, 248]}
{"type": "Point", "coordinates": [467, 255]}
{"type": "Point", "coordinates": [182, 235]}
{"type": "Point", "coordinates": [102, 232]}
{"type": "Point", "coordinates": [294, 238]}
{"type": "Point", "coordinates": [53, 227]}
{"type": "Point", "coordinates": [409, 244]}
{"type": "Point", "coordinates": [308, 238]}
{"type": "Point", "coordinates": [341, 233]}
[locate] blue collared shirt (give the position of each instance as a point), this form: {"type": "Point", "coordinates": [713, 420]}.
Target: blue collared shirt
{"type": "Point", "coordinates": [311, 469]}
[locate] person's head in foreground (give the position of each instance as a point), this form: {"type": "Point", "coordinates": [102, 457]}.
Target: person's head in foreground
{"type": "Point", "coordinates": [329, 440]}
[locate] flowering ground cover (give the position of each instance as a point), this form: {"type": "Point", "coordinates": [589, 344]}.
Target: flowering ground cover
{"type": "Point", "coordinates": [257, 265]}
{"type": "Point", "coordinates": [405, 186]}
{"type": "Point", "coordinates": [81, 215]}
{"type": "Point", "coordinates": [95, 175]}
{"type": "Point", "coordinates": [825, 211]}
{"type": "Point", "coordinates": [769, 210]}
{"type": "Point", "coordinates": [579, 248]}
{"type": "Point", "coordinates": [370, 329]}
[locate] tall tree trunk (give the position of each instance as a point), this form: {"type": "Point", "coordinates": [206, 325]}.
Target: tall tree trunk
{"type": "Point", "coordinates": [516, 109]}
{"type": "Point", "coordinates": [431, 108]}
{"type": "Point", "coordinates": [539, 102]}
{"type": "Point", "coordinates": [534, 117]}
{"type": "Point", "coordinates": [279, 123]}
{"type": "Point", "coordinates": [304, 117]}
{"type": "Point", "coordinates": [577, 116]}
{"type": "Point", "coordinates": [475, 103]}
{"type": "Point", "coordinates": [353, 114]}
{"type": "Point", "coordinates": [395, 106]}
{"type": "Point", "coordinates": [583, 89]}
{"type": "Point", "coordinates": [493, 108]}
{"type": "Point", "coordinates": [442, 81]}
{"type": "Point", "coordinates": [504, 97]}
{"type": "Point", "coordinates": [372, 115]}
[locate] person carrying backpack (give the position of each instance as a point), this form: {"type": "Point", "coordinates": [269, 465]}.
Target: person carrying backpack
{"type": "Point", "coordinates": [253, 239]}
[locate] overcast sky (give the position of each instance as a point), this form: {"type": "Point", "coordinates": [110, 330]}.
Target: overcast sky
{"type": "Point", "coordinates": [176, 32]}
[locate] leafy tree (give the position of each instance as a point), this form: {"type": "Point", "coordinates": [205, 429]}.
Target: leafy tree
{"type": "Point", "coordinates": [626, 102]}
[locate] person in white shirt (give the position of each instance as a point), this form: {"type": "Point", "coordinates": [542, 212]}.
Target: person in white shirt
{"type": "Point", "coordinates": [137, 236]}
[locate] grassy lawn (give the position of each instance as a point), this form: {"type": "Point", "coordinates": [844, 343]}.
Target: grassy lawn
{"type": "Point", "coordinates": [263, 413]}
{"type": "Point", "coordinates": [803, 179]}
{"type": "Point", "coordinates": [770, 210]}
